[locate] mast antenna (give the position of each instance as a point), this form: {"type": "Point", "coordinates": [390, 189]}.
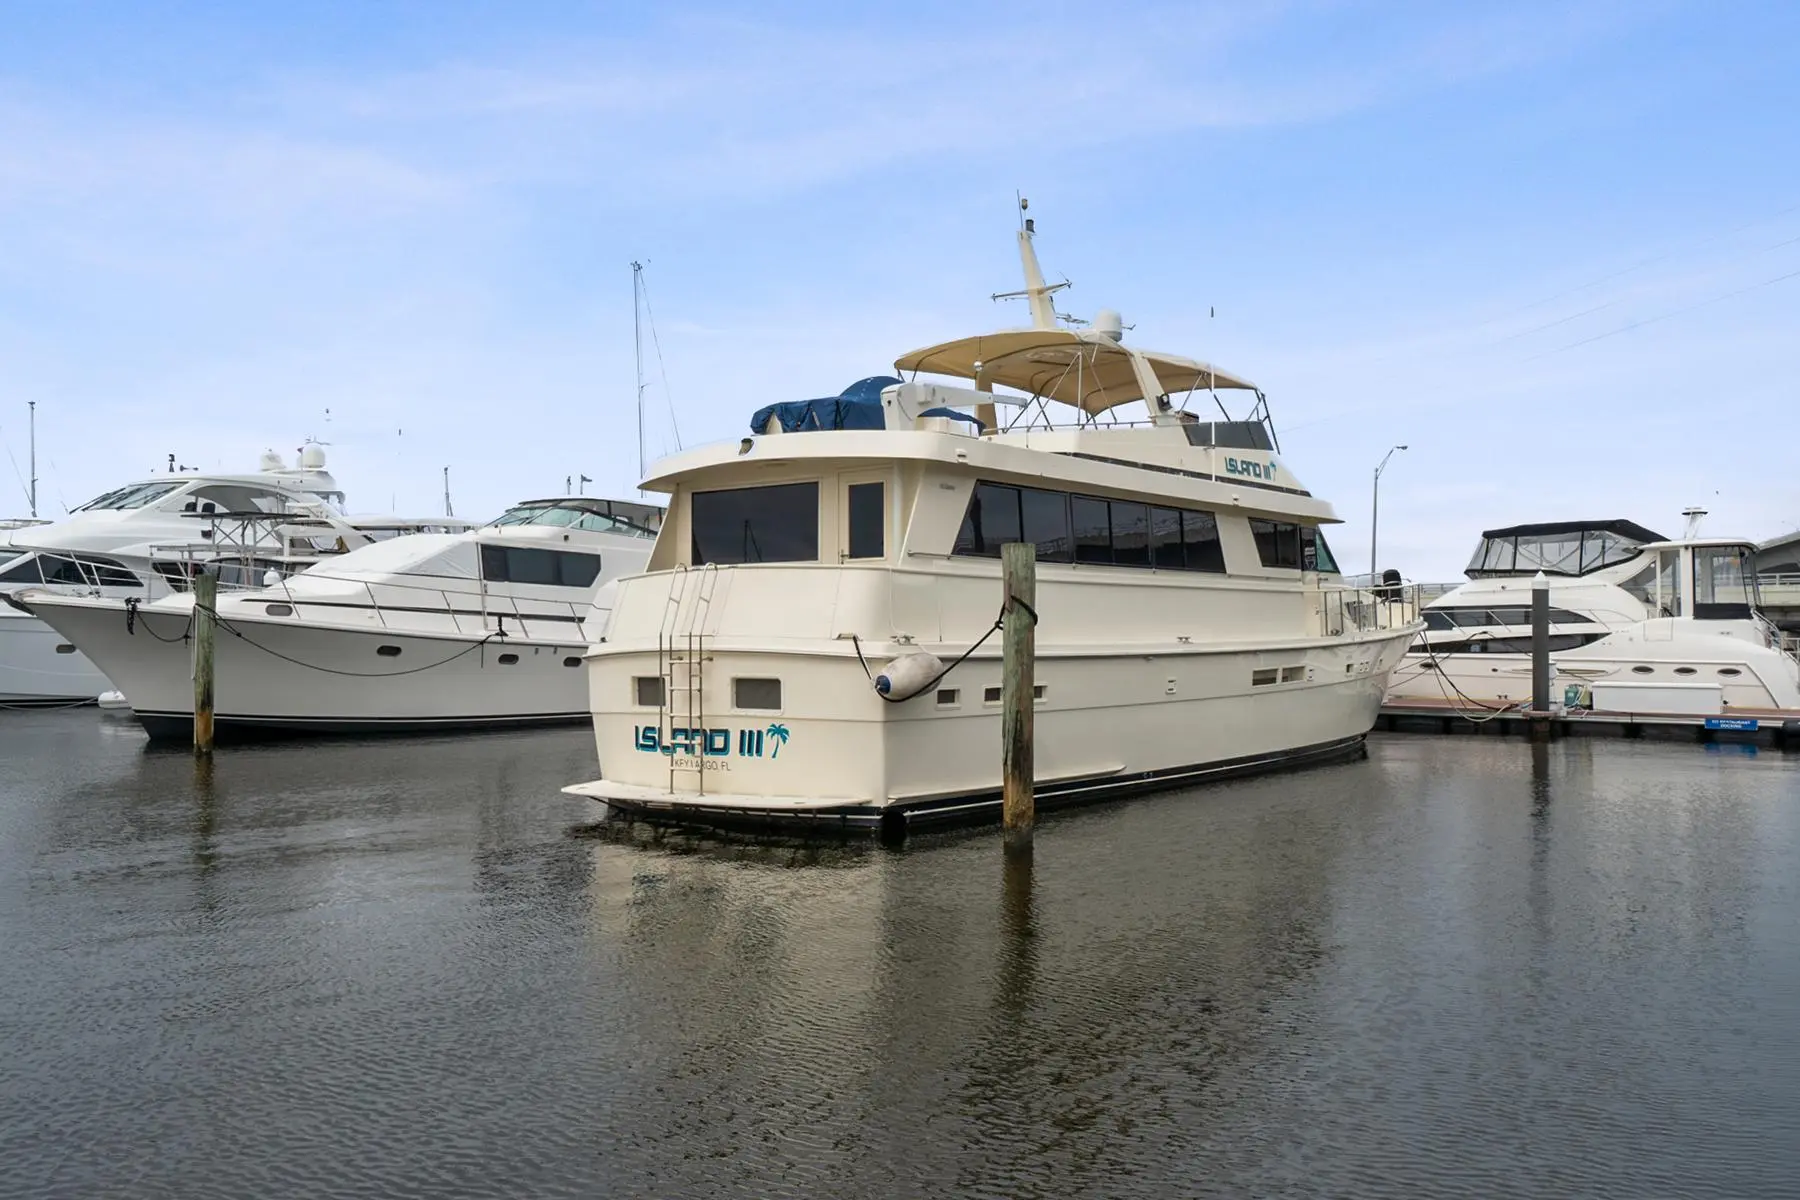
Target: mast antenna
{"type": "Point", "coordinates": [34, 478]}
{"type": "Point", "coordinates": [448, 511]}
{"type": "Point", "coordinates": [637, 352]}
{"type": "Point", "coordinates": [1043, 309]}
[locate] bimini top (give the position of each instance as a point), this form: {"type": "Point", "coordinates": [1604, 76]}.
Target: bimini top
{"type": "Point", "coordinates": [1088, 368]}
{"type": "Point", "coordinates": [1625, 529]}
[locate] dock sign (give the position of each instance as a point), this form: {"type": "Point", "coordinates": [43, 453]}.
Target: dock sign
{"type": "Point", "coordinates": [1742, 724]}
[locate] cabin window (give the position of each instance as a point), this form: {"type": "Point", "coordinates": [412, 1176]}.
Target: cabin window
{"type": "Point", "coordinates": [998, 514]}
{"type": "Point", "coordinates": [1092, 524]}
{"type": "Point", "coordinates": [1130, 534]}
{"type": "Point", "coordinates": [648, 691]}
{"type": "Point", "coordinates": [778, 523]}
{"type": "Point", "coordinates": [1482, 618]}
{"type": "Point", "coordinates": [1044, 522]}
{"type": "Point", "coordinates": [1264, 676]}
{"type": "Point", "coordinates": [1165, 539]}
{"type": "Point", "coordinates": [87, 571]}
{"type": "Point", "coordinates": [1277, 543]}
{"type": "Point", "coordinates": [1088, 529]}
{"type": "Point", "coordinates": [992, 520]}
{"type": "Point", "coordinates": [542, 568]}
{"type": "Point", "coordinates": [867, 515]}
{"type": "Point", "coordinates": [25, 572]}
{"type": "Point", "coordinates": [1200, 542]}
{"type": "Point", "coordinates": [756, 693]}
{"type": "Point", "coordinates": [1315, 555]}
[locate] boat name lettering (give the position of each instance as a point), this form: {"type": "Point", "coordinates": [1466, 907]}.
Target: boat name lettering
{"type": "Point", "coordinates": [1248, 469]}
{"type": "Point", "coordinates": [718, 742]}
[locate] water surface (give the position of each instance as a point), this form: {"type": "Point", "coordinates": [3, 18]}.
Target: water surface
{"type": "Point", "coordinates": [1463, 967]}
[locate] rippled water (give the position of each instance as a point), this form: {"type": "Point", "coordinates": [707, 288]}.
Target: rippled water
{"type": "Point", "coordinates": [1464, 967]}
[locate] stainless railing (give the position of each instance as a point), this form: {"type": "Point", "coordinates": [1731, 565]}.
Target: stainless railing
{"type": "Point", "coordinates": [1343, 611]}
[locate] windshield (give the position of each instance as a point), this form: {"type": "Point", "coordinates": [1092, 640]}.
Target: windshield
{"type": "Point", "coordinates": [135, 496]}
{"type": "Point", "coordinates": [573, 516]}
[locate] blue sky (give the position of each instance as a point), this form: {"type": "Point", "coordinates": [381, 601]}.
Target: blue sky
{"type": "Point", "coordinates": [1551, 247]}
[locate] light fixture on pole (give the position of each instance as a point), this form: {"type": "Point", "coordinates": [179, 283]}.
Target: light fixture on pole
{"type": "Point", "coordinates": [1375, 513]}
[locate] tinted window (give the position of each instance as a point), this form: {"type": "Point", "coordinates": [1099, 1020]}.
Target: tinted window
{"type": "Point", "coordinates": [1130, 533]}
{"type": "Point", "coordinates": [1087, 529]}
{"type": "Point", "coordinates": [1277, 543]}
{"type": "Point", "coordinates": [1200, 539]}
{"type": "Point", "coordinates": [1092, 528]}
{"type": "Point", "coordinates": [1045, 523]}
{"type": "Point", "coordinates": [25, 572]}
{"type": "Point", "coordinates": [1315, 555]}
{"type": "Point", "coordinates": [87, 572]}
{"type": "Point", "coordinates": [868, 520]}
{"type": "Point", "coordinates": [544, 568]}
{"type": "Point", "coordinates": [991, 521]}
{"type": "Point", "coordinates": [1165, 539]}
{"type": "Point", "coordinates": [760, 524]}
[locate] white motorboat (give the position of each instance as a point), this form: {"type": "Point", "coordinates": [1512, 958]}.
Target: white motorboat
{"type": "Point", "coordinates": [1192, 621]}
{"type": "Point", "coordinates": [140, 541]}
{"type": "Point", "coordinates": [429, 632]}
{"type": "Point", "coordinates": [1638, 623]}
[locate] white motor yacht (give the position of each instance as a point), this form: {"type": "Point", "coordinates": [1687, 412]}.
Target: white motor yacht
{"type": "Point", "coordinates": [141, 541]}
{"type": "Point", "coordinates": [1638, 623]}
{"type": "Point", "coordinates": [483, 628]}
{"type": "Point", "coordinates": [1192, 623]}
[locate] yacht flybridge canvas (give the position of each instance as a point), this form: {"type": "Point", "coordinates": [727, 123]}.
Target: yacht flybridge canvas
{"type": "Point", "coordinates": [1192, 620]}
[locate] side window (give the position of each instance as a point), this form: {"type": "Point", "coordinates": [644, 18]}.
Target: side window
{"type": "Point", "coordinates": [1277, 543]}
{"type": "Point", "coordinates": [1315, 555]}
{"type": "Point", "coordinates": [1165, 539]}
{"type": "Point", "coordinates": [1044, 522]}
{"type": "Point", "coordinates": [1200, 539]}
{"type": "Point", "coordinates": [1092, 526]}
{"type": "Point", "coordinates": [991, 521]}
{"type": "Point", "coordinates": [545, 568]}
{"type": "Point", "coordinates": [577, 570]}
{"type": "Point", "coordinates": [1130, 533]}
{"type": "Point", "coordinates": [25, 572]}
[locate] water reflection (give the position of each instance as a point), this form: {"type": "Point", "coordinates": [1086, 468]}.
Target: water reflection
{"type": "Point", "coordinates": [434, 974]}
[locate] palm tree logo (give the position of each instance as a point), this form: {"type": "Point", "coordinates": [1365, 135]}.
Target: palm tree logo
{"type": "Point", "coordinates": [779, 735]}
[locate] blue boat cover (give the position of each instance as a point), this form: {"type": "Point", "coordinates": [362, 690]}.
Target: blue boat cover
{"type": "Point", "coordinates": [856, 407]}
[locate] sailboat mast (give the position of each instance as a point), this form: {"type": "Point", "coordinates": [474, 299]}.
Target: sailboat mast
{"type": "Point", "coordinates": [33, 404]}
{"type": "Point", "coordinates": [637, 353]}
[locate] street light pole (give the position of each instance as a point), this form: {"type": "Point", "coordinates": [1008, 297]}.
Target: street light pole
{"type": "Point", "coordinates": [1375, 513]}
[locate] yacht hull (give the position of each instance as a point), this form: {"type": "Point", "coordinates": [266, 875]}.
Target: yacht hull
{"type": "Point", "coordinates": [294, 678]}
{"type": "Point", "coordinates": [1747, 675]}
{"type": "Point", "coordinates": [1108, 725]}
{"type": "Point", "coordinates": [33, 671]}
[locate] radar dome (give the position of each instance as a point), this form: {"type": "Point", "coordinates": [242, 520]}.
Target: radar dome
{"type": "Point", "coordinates": [1108, 324]}
{"type": "Point", "coordinates": [272, 461]}
{"type": "Point", "coordinates": [312, 457]}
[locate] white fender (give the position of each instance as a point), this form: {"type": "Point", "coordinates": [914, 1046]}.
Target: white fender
{"type": "Point", "coordinates": [908, 675]}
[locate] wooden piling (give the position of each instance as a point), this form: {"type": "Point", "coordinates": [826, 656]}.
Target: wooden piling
{"type": "Point", "coordinates": [206, 599]}
{"type": "Point", "coordinates": [1541, 699]}
{"type": "Point", "coordinates": [1018, 573]}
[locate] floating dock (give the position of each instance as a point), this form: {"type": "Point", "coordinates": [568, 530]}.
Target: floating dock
{"type": "Point", "coordinates": [1764, 727]}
